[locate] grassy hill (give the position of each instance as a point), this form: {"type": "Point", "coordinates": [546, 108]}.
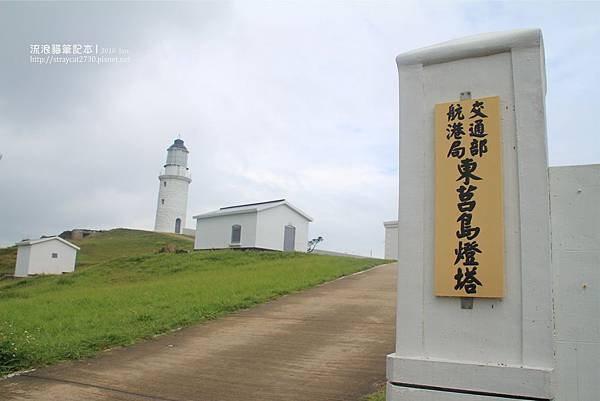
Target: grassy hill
{"type": "Point", "coordinates": [8, 258]}
{"type": "Point", "coordinates": [113, 244]}
{"type": "Point", "coordinates": [123, 242]}
{"type": "Point", "coordinates": [123, 291]}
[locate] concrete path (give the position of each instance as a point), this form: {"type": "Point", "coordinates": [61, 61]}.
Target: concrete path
{"type": "Point", "coordinates": [327, 343]}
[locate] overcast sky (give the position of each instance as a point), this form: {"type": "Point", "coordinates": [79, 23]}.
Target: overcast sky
{"type": "Point", "coordinates": [293, 100]}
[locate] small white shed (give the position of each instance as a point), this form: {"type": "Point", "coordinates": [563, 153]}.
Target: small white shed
{"type": "Point", "coordinates": [391, 239]}
{"type": "Point", "coordinates": [274, 225]}
{"type": "Point", "coordinates": [52, 255]}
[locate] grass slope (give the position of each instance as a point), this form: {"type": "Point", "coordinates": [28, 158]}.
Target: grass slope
{"type": "Point", "coordinates": [8, 258]}
{"type": "Point", "coordinates": [119, 301]}
{"type": "Point", "coordinates": [379, 395]}
{"type": "Point", "coordinates": [122, 242]}
{"type": "Point", "coordinates": [103, 246]}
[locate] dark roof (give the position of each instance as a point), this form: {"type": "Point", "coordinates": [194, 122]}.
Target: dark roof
{"type": "Point", "coordinates": [178, 144]}
{"type": "Point", "coordinates": [252, 204]}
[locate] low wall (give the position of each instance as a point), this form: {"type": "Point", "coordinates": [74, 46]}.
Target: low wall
{"type": "Point", "coordinates": [189, 232]}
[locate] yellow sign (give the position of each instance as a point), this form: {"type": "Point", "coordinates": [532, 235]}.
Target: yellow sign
{"type": "Point", "coordinates": [469, 218]}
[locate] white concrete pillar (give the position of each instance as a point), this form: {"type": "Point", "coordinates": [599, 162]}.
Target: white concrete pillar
{"type": "Point", "coordinates": [501, 348]}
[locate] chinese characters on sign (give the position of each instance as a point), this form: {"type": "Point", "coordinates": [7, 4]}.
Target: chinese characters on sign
{"type": "Point", "coordinates": [469, 219]}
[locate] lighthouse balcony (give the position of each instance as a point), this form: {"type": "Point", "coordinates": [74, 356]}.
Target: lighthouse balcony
{"type": "Point", "coordinates": [176, 171]}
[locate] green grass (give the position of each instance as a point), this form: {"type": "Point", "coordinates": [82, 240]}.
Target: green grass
{"type": "Point", "coordinates": [8, 258]}
{"type": "Point", "coordinates": [118, 301]}
{"type": "Point", "coordinates": [107, 245]}
{"type": "Point", "coordinates": [123, 242]}
{"type": "Point", "coordinates": [376, 396]}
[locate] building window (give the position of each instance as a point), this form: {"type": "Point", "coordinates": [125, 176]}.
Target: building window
{"type": "Point", "coordinates": [236, 233]}
{"type": "Point", "coordinates": [54, 255]}
{"type": "Point", "coordinates": [164, 183]}
{"type": "Point", "coordinates": [162, 201]}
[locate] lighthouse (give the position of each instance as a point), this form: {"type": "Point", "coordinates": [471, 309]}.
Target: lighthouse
{"type": "Point", "coordinates": [174, 180]}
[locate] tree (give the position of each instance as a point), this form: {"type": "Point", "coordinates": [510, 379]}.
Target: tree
{"type": "Point", "coordinates": [312, 244]}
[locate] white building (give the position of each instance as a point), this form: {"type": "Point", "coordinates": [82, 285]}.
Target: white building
{"type": "Point", "coordinates": [275, 225]}
{"type": "Point", "coordinates": [51, 255]}
{"type": "Point", "coordinates": [391, 239]}
{"type": "Point", "coordinates": [174, 181]}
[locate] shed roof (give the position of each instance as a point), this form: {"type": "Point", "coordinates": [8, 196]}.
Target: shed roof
{"type": "Point", "coordinates": [37, 241]}
{"type": "Point", "coordinates": [253, 204]}
{"type": "Point", "coordinates": [252, 208]}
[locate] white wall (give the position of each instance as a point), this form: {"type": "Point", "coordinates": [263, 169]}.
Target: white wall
{"type": "Point", "coordinates": [41, 260]}
{"type": "Point", "coordinates": [189, 231]}
{"type": "Point", "coordinates": [391, 240]}
{"type": "Point", "coordinates": [271, 224]}
{"type": "Point", "coordinates": [215, 232]}
{"type": "Point", "coordinates": [175, 195]}
{"type": "Point", "coordinates": [22, 265]}
{"type": "Point", "coordinates": [484, 339]}
{"type": "Point", "coordinates": [575, 205]}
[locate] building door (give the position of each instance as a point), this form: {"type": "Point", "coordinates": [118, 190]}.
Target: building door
{"type": "Point", "coordinates": [178, 226]}
{"type": "Point", "coordinates": [289, 238]}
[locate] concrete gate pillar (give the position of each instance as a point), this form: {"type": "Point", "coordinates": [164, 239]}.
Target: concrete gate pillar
{"type": "Point", "coordinates": [447, 348]}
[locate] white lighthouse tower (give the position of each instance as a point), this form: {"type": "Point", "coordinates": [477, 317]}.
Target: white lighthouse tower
{"type": "Point", "coordinates": [174, 180]}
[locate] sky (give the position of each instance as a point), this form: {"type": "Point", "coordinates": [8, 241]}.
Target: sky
{"type": "Point", "coordinates": [295, 100]}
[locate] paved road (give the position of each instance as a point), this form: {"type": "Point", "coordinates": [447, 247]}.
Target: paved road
{"type": "Point", "coordinates": [327, 343]}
